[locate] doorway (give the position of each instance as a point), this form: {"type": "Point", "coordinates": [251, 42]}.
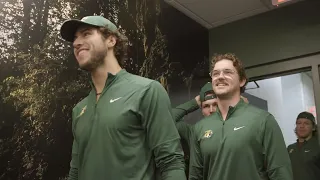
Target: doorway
{"type": "Point", "coordinates": [284, 97]}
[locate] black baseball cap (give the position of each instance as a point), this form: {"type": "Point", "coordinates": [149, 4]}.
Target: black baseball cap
{"type": "Point", "coordinates": [307, 115]}
{"type": "Point", "coordinates": [205, 90]}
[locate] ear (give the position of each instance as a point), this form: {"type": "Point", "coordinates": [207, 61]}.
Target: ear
{"type": "Point", "coordinates": [242, 82]}
{"type": "Point", "coordinates": [111, 41]}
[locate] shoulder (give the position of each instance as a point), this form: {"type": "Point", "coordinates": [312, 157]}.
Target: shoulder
{"type": "Point", "coordinates": [258, 119]}
{"type": "Point", "coordinates": [258, 114]}
{"type": "Point", "coordinates": [137, 86]}
{"type": "Point", "coordinates": [292, 145]}
{"type": "Point", "coordinates": [139, 81]}
{"type": "Point", "coordinates": [145, 85]}
{"type": "Point", "coordinates": [145, 90]}
{"type": "Point", "coordinates": [255, 111]}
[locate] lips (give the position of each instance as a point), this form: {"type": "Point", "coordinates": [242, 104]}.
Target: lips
{"type": "Point", "coordinates": [81, 50]}
{"type": "Point", "coordinates": [222, 85]}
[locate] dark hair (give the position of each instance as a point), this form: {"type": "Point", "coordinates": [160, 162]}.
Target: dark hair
{"type": "Point", "coordinates": [121, 46]}
{"type": "Point", "coordinates": [236, 63]}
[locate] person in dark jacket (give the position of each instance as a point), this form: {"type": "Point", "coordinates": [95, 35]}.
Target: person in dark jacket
{"type": "Point", "coordinates": [305, 153]}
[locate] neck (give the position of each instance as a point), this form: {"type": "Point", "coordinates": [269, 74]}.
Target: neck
{"type": "Point", "coordinates": [305, 139]}
{"type": "Point", "coordinates": [100, 75]}
{"type": "Point", "coordinates": [225, 102]}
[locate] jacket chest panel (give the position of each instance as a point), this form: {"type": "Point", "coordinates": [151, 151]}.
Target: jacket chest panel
{"type": "Point", "coordinates": [234, 136]}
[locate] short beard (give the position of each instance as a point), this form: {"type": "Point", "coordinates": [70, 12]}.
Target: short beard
{"type": "Point", "coordinates": [96, 60]}
{"type": "Point", "coordinates": [225, 96]}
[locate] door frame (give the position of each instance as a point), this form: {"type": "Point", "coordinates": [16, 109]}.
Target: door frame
{"type": "Point", "coordinates": [294, 65]}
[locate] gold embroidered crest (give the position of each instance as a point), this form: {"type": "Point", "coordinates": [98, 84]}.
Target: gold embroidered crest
{"type": "Point", "coordinates": [207, 134]}
{"type": "Point", "coordinates": [82, 111]}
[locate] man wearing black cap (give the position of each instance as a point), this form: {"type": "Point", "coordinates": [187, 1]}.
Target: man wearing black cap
{"type": "Point", "coordinates": [205, 100]}
{"type": "Point", "coordinates": [124, 128]}
{"type": "Point", "coordinates": [305, 153]}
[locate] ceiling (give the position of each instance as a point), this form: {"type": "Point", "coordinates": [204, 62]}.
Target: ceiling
{"type": "Point", "coordinates": [214, 13]}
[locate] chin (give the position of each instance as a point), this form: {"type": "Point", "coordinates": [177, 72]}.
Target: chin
{"type": "Point", "coordinates": [302, 135]}
{"type": "Point", "coordinates": [86, 66]}
{"type": "Point", "coordinates": [221, 93]}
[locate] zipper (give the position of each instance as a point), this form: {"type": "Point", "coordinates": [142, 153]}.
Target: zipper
{"type": "Point", "coordinates": [223, 122]}
{"type": "Point", "coordinates": [111, 80]}
{"type": "Point", "coordinates": [223, 130]}
{"type": "Point", "coordinates": [230, 111]}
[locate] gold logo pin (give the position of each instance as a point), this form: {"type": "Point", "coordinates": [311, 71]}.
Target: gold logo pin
{"type": "Point", "coordinates": [207, 134]}
{"type": "Point", "coordinates": [82, 111]}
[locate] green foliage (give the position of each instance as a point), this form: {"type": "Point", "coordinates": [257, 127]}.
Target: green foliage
{"type": "Point", "coordinates": [41, 96]}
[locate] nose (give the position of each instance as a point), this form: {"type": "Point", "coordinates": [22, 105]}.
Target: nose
{"type": "Point", "coordinates": [217, 78]}
{"type": "Point", "coordinates": [221, 75]}
{"type": "Point", "coordinates": [77, 43]}
{"type": "Point", "coordinates": [211, 108]}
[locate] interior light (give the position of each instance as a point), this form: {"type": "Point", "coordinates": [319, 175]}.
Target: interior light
{"type": "Point", "coordinates": [277, 2]}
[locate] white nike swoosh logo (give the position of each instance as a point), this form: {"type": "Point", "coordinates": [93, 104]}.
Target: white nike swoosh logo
{"type": "Point", "coordinates": [306, 150]}
{"type": "Point", "coordinates": [113, 100]}
{"type": "Point", "coordinates": [237, 128]}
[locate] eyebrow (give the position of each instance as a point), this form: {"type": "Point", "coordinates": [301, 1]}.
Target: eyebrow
{"type": "Point", "coordinates": [81, 30]}
{"type": "Point", "coordinates": [223, 69]}
{"type": "Point", "coordinates": [84, 29]}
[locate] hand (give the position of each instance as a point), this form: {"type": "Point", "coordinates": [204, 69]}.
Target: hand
{"type": "Point", "coordinates": [197, 98]}
{"type": "Point", "coordinates": [245, 99]}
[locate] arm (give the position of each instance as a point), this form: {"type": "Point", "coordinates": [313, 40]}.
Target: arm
{"type": "Point", "coordinates": [183, 109]}
{"type": "Point", "coordinates": [196, 160]}
{"type": "Point", "coordinates": [162, 135]}
{"type": "Point", "coordinates": [316, 145]}
{"type": "Point", "coordinates": [73, 172]}
{"type": "Point", "coordinates": [277, 157]}
{"type": "Point", "coordinates": [184, 130]}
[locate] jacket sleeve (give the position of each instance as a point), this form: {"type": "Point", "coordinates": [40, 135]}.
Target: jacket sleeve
{"type": "Point", "coordinates": [196, 159]}
{"type": "Point", "coordinates": [162, 135]}
{"type": "Point", "coordinates": [183, 109]}
{"type": "Point", "coordinates": [73, 172]}
{"type": "Point", "coordinates": [184, 130]}
{"type": "Point", "coordinates": [277, 157]}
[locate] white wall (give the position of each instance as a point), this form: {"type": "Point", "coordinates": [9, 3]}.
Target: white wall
{"type": "Point", "coordinates": [271, 91]}
{"type": "Point", "coordinates": [292, 96]}
{"type": "Point", "coordinates": [287, 96]}
{"type": "Point", "coordinates": [307, 88]}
